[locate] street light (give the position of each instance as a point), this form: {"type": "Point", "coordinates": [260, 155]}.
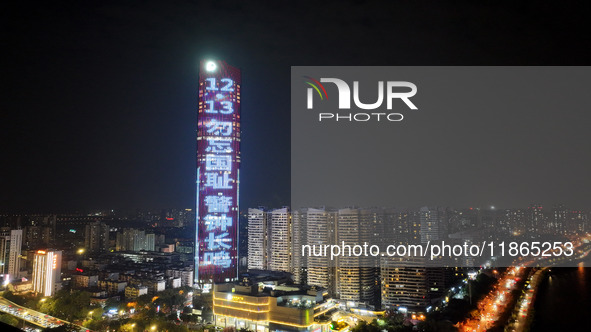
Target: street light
{"type": "Point", "coordinates": [153, 327]}
{"type": "Point", "coordinates": [80, 251]}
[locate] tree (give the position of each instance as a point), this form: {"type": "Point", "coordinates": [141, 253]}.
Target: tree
{"type": "Point", "coordinates": [8, 319]}
{"type": "Point", "coordinates": [393, 317]}
{"type": "Point", "coordinates": [10, 296]}
{"type": "Point", "coordinates": [112, 303]}
{"type": "Point", "coordinates": [170, 298]}
{"type": "Point", "coordinates": [129, 327]}
{"type": "Point", "coordinates": [68, 305]}
{"type": "Point", "coordinates": [189, 318]}
{"type": "Point", "coordinates": [144, 300]}
{"type": "Point", "coordinates": [362, 326]}
{"type": "Point", "coordinates": [96, 313]}
{"type": "Point", "coordinates": [97, 325]}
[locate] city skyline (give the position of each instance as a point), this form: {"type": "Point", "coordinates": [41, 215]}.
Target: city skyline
{"type": "Point", "coordinates": [165, 167]}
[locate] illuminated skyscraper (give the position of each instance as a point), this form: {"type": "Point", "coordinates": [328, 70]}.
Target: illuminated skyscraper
{"type": "Point", "coordinates": [258, 239]}
{"type": "Point", "coordinates": [355, 280]}
{"type": "Point", "coordinates": [298, 238]}
{"type": "Point", "coordinates": [536, 221]}
{"type": "Point", "coordinates": [16, 243]}
{"type": "Point", "coordinates": [404, 283]}
{"type": "Point", "coordinates": [218, 165]}
{"type": "Point", "coordinates": [431, 220]}
{"type": "Point", "coordinates": [281, 230]}
{"type": "Point", "coordinates": [10, 252]}
{"type": "Point", "coordinates": [320, 231]}
{"type": "Point", "coordinates": [96, 236]}
{"type": "Point", "coordinates": [47, 267]}
{"type": "Point", "coordinates": [131, 239]}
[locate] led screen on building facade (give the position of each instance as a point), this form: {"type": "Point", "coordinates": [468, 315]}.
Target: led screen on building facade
{"type": "Point", "coordinates": [218, 165]}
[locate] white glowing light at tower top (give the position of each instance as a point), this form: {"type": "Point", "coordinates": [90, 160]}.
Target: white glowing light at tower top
{"type": "Point", "coordinates": [210, 66]}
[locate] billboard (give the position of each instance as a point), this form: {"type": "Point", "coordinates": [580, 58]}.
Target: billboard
{"type": "Point", "coordinates": [218, 165]}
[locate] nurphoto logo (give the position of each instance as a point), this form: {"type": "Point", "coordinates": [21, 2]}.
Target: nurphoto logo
{"type": "Point", "coordinates": [391, 89]}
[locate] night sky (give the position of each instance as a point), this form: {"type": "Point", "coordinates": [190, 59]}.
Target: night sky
{"type": "Point", "coordinates": [98, 101]}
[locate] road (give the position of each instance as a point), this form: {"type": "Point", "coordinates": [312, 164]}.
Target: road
{"type": "Point", "coordinates": [523, 307]}
{"type": "Point", "coordinates": [495, 304]}
{"type": "Point", "coordinates": [32, 316]}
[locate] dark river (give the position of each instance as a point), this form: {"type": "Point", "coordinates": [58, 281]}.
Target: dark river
{"type": "Point", "coordinates": [564, 300]}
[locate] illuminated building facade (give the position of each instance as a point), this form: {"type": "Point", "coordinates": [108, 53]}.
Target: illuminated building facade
{"type": "Point", "coordinates": [47, 267]}
{"type": "Point", "coordinates": [320, 231]}
{"type": "Point", "coordinates": [404, 284]}
{"type": "Point", "coordinates": [355, 280]}
{"type": "Point", "coordinates": [431, 221]}
{"type": "Point", "coordinates": [96, 237]}
{"type": "Point", "coordinates": [274, 241]}
{"type": "Point", "coordinates": [10, 252]}
{"type": "Point", "coordinates": [281, 239]}
{"type": "Point", "coordinates": [272, 307]}
{"type": "Point", "coordinates": [218, 164]}
{"type": "Point", "coordinates": [298, 236]}
{"type": "Point", "coordinates": [258, 239]}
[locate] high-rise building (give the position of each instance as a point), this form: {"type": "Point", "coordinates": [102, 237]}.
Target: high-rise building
{"type": "Point", "coordinates": [432, 224]}
{"type": "Point", "coordinates": [10, 251]}
{"type": "Point", "coordinates": [408, 282]}
{"type": "Point", "coordinates": [404, 283]}
{"type": "Point", "coordinates": [96, 237]}
{"type": "Point", "coordinates": [258, 239]}
{"type": "Point", "coordinates": [14, 259]}
{"type": "Point", "coordinates": [536, 220]}
{"type": "Point", "coordinates": [128, 239]}
{"type": "Point", "coordinates": [275, 239]}
{"type": "Point", "coordinates": [320, 232]}
{"type": "Point", "coordinates": [218, 165]}
{"type": "Point", "coordinates": [38, 236]}
{"type": "Point", "coordinates": [433, 227]}
{"type": "Point", "coordinates": [4, 253]}
{"type": "Point", "coordinates": [558, 220]}
{"type": "Point", "coordinates": [298, 238]}
{"type": "Point", "coordinates": [401, 227]}
{"type": "Point", "coordinates": [47, 266]}
{"type": "Point", "coordinates": [356, 275]}
{"type": "Point", "coordinates": [270, 242]}
{"type": "Point", "coordinates": [150, 243]}
{"type": "Point", "coordinates": [131, 239]}
{"type": "Point", "coordinates": [280, 259]}
{"type": "Point", "coordinates": [515, 221]}
{"type": "Point", "coordinates": [577, 222]}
